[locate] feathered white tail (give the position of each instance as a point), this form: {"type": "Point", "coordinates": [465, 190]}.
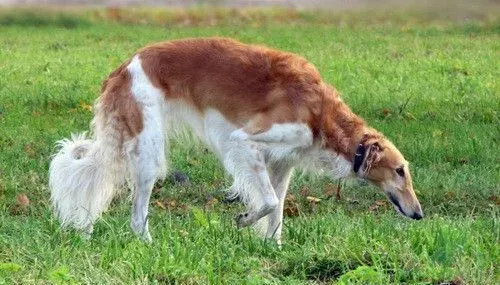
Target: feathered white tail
{"type": "Point", "coordinates": [84, 175]}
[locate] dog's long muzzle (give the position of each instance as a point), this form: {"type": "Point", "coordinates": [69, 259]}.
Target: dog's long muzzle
{"type": "Point", "coordinates": [407, 206]}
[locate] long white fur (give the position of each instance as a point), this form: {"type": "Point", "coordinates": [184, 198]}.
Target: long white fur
{"type": "Point", "coordinates": [86, 173]}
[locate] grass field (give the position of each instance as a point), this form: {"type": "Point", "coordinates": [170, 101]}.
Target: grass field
{"type": "Point", "coordinates": [432, 88]}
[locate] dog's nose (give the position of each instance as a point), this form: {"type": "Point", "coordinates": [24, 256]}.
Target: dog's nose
{"type": "Point", "coordinates": [417, 216]}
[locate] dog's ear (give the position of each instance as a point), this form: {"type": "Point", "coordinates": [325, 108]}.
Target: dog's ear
{"type": "Point", "coordinates": [373, 155]}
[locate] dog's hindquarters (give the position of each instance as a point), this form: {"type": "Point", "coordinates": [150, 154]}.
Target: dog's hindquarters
{"type": "Point", "coordinates": [85, 174]}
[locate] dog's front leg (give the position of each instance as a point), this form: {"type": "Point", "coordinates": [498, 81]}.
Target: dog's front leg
{"type": "Point", "coordinates": [295, 135]}
{"type": "Point", "coordinates": [280, 174]}
{"type": "Point", "coordinates": [245, 162]}
{"type": "Point", "coordinates": [253, 183]}
{"type": "Point", "coordinates": [279, 142]}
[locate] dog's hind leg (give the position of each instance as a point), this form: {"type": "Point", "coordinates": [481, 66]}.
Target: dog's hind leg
{"type": "Point", "coordinates": [145, 153]}
{"type": "Point", "coordinates": [146, 168]}
{"type": "Point", "coordinates": [147, 163]}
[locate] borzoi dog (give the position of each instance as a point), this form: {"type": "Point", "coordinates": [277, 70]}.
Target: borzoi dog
{"type": "Point", "coordinates": [263, 112]}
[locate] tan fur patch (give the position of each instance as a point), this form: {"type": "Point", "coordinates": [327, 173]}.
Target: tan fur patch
{"type": "Point", "coordinates": [117, 101]}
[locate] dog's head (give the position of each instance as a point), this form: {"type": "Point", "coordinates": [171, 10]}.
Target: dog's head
{"type": "Point", "coordinates": [380, 162]}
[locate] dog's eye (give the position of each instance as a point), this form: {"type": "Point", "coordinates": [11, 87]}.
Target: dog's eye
{"type": "Point", "coordinates": [400, 171]}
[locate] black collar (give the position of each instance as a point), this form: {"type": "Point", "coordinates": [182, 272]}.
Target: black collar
{"type": "Point", "coordinates": [359, 156]}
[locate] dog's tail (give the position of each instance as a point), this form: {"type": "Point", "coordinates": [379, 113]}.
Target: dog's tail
{"type": "Point", "coordinates": [85, 174]}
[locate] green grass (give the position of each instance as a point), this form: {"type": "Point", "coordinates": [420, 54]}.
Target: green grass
{"type": "Point", "coordinates": [433, 89]}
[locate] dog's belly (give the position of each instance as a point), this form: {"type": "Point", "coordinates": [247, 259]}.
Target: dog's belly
{"type": "Point", "coordinates": [214, 130]}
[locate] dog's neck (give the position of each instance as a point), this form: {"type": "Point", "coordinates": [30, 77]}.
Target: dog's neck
{"type": "Point", "coordinates": [341, 130]}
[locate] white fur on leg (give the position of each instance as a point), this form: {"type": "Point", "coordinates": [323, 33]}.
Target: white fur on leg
{"type": "Point", "coordinates": [147, 162]}
{"type": "Point", "coordinates": [280, 174]}
{"type": "Point", "coordinates": [251, 182]}
{"type": "Point", "coordinates": [287, 134]}
{"type": "Point", "coordinates": [239, 134]}
{"type": "Point", "coordinates": [245, 162]}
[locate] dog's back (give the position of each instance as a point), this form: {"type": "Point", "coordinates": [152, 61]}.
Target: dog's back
{"type": "Point", "coordinates": [239, 80]}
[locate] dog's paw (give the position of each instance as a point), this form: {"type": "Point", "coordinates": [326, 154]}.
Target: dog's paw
{"type": "Point", "coordinates": [147, 238]}
{"type": "Point", "coordinates": [243, 220]}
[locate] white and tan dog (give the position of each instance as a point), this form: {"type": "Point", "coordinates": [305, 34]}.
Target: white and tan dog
{"type": "Point", "coordinates": [262, 112]}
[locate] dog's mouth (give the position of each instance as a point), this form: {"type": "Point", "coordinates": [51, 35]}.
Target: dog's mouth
{"type": "Point", "coordinates": [397, 206]}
